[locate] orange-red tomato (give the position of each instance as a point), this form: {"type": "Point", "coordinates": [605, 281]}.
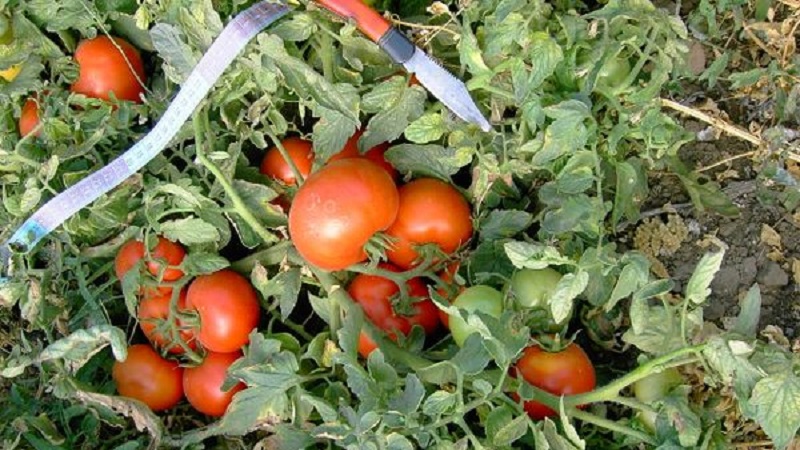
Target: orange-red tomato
{"type": "Point", "coordinates": [375, 154]}
{"type": "Point", "coordinates": [153, 312]}
{"type": "Point", "coordinates": [29, 118]}
{"type": "Point", "coordinates": [203, 384]}
{"type": "Point", "coordinates": [103, 69]}
{"type": "Point", "coordinates": [567, 372]}
{"type": "Point", "coordinates": [127, 257]}
{"type": "Point", "coordinates": [146, 376]}
{"type": "Point", "coordinates": [301, 153]}
{"type": "Point", "coordinates": [170, 252]}
{"type": "Point", "coordinates": [374, 294]}
{"type": "Point", "coordinates": [447, 275]}
{"type": "Point", "coordinates": [228, 308]}
{"type": "Point", "coordinates": [431, 211]}
{"type": "Point", "coordinates": [338, 209]}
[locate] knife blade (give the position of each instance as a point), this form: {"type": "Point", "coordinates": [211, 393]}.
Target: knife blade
{"type": "Point", "coordinates": [451, 91]}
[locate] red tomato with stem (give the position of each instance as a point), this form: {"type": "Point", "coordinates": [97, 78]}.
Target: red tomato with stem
{"type": "Point", "coordinates": [203, 383]}
{"type": "Point", "coordinates": [228, 308]}
{"type": "Point", "coordinates": [170, 252]}
{"type": "Point", "coordinates": [375, 154]}
{"type": "Point", "coordinates": [566, 372]}
{"type": "Point", "coordinates": [29, 118]}
{"type": "Point", "coordinates": [146, 376]}
{"type": "Point", "coordinates": [275, 166]}
{"type": "Point", "coordinates": [338, 209]}
{"type": "Point", "coordinates": [153, 312]}
{"type": "Point", "coordinates": [431, 211]}
{"type": "Point", "coordinates": [109, 65]}
{"type": "Point", "coordinates": [128, 255]}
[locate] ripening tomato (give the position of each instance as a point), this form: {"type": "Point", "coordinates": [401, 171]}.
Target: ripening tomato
{"type": "Point", "coordinates": [153, 312]}
{"type": "Point", "coordinates": [128, 255]}
{"type": "Point", "coordinates": [338, 209]}
{"type": "Point", "coordinates": [228, 308]}
{"type": "Point", "coordinates": [29, 118]}
{"type": "Point", "coordinates": [374, 294]}
{"type": "Point", "coordinates": [566, 372]}
{"type": "Point", "coordinates": [475, 298]}
{"type": "Point", "coordinates": [146, 376]}
{"type": "Point", "coordinates": [533, 288]}
{"type": "Point", "coordinates": [104, 66]}
{"type": "Point", "coordinates": [431, 211]}
{"type": "Point", "coordinates": [170, 252]}
{"type": "Point", "coordinates": [301, 153]}
{"type": "Point", "coordinates": [375, 154]}
{"type": "Point", "coordinates": [203, 383]}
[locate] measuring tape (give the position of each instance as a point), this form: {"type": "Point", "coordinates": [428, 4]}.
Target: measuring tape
{"type": "Point", "coordinates": [219, 56]}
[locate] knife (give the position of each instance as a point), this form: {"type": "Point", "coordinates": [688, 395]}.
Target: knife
{"type": "Point", "coordinates": [442, 84]}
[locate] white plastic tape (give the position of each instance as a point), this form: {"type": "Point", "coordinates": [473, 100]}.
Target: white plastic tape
{"type": "Point", "coordinates": [219, 56]}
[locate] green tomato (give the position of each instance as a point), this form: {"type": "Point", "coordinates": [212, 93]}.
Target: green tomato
{"type": "Point", "coordinates": [476, 298]}
{"type": "Point", "coordinates": [613, 73]}
{"type": "Point", "coordinates": [648, 420]}
{"type": "Point", "coordinates": [532, 288]}
{"type": "Point", "coordinates": [657, 385]}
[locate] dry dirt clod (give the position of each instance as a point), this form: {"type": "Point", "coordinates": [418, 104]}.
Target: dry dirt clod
{"type": "Point", "coordinates": [772, 275]}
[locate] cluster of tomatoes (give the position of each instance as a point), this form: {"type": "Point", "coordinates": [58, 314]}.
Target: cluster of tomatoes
{"type": "Point", "coordinates": [352, 202]}
{"type": "Point", "coordinates": [107, 67]}
{"type": "Point", "coordinates": [212, 317]}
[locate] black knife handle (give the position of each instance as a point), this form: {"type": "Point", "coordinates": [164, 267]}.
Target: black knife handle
{"type": "Point", "coordinates": [397, 45]}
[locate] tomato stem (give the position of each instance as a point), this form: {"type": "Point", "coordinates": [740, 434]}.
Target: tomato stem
{"type": "Point", "coordinates": [201, 127]}
{"type": "Point", "coordinates": [270, 256]}
{"type": "Point", "coordinates": [286, 157]}
{"type": "Point", "coordinates": [610, 425]}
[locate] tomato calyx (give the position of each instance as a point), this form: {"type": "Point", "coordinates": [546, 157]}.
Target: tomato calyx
{"type": "Point", "coordinates": [553, 342]}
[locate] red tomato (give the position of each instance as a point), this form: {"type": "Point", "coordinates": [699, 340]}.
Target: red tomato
{"type": "Point", "coordinates": [375, 154]}
{"type": "Point", "coordinates": [338, 209]}
{"type": "Point", "coordinates": [567, 372]}
{"type": "Point", "coordinates": [146, 376]}
{"type": "Point", "coordinates": [103, 69]}
{"type": "Point", "coordinates": [228, 308]}
{"type": "Point", "coordinates": [366, 345]}
{"type": "Point", "coordinates": [153, 312]}
{"type": "Point", "coordinates": [431, 211]}
{"type": "Point", "coordinates": [299, 150]}
{"type": "Point", "coordinates": [170, 252]}
{"type": "Point", "coordinates": [127, 257]}
{"type": "Point", "coordinates": [29, 118]}
{"type": "Point", "coordinates": [203, 384]}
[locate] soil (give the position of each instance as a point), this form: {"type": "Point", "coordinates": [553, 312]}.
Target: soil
{"type": "Point", "coordinates": [763, 240]}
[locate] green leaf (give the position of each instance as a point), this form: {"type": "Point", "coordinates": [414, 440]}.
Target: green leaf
{"type": "Point", "coordinates": [631, 190]}
{"type": "Point", "coordinates": [748, 78]}
{"type": "Point", "coordinates": [569, 287]}
{"type": "Point", "coordinates": [257, 197]}
{"type": "Point", "coordinates": [77, 348]}
{"type": "Point", "coordinates": [546, 55]}
{"type": "Point", "coordinates": [715, 69]}
{"type": "Point", "coordinates": [472, 358]}
{"type": "Point", "coordinates": [428, 128]}
{"type": "Point", "coordinates": [685, 421]}
{"type": "Point", "coordinates": [321, 307]}
{"type": "Point", "coordinates": [179, 61]}
{"type": "Point", "coordinates": [393, 118]}
{"type": "Point", "coordinates": [285, 287]}
{"type": "Point", "coordinates": [333, 128]}
{"type": "Point", "coordinates": [428, 160]}
{"type": "Point", "coordinates": [297, 27]}
{"type": "Point", "coordinates": [489, 261]}
{"type": "Point", "coordinates": [190, 231]}
{"type": "Point", "coordinates": [527, 255]}
{"type": "Point", "coordinates": [503, 428]}
{"type": "Point", "coordinates": [633, 276]}
{"type": "Point", "coordinates": [410, 399]}
{"type": "Point", "coordinates": [698, 287]}
{"type": "Point", "coordinates": [729, 366]}
{"type": "Point", "coordinates": [439, 403]}
{"type": "Point", "coordinates": [504, 223]}
{"type": "Point", "coordinates": [395, 441]}
{"type": "Point", "coordinates": [749, 313]}
{"type": "Point", "coordinates": [203, 263]}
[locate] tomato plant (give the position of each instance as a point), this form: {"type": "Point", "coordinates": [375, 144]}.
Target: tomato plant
{"type": "Point", "coordinates": [301, 153]}
{"type": "Point", "coordinates": [430, 212]}
{"type": "Point", "coordinates": [568, 371]}
{"type": "Point", "coordinates": [228, 308]}
{"type": "Point", "coordinates": [338, 209]}
{"type": "Point", "coordinates": [171, 253]}
{"type": "Point", "coordinates": [532, 288]}
{"type": "Point", "coordinates": [475, 298]}
{"type": "Point", "coordinates": [145, 376]}
{"type": "Point", "coordinates": [153, 314]}
{"type": "Point", "coordinates": [375, 295]}
{"type": "Point", "coordinates": [109, 65]}
{"type": "Point", "coordinates": [203, 383]}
